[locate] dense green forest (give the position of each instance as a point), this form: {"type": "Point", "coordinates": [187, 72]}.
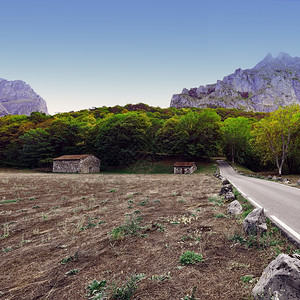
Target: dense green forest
{"type": "Point", "coordinates": [121, 135]}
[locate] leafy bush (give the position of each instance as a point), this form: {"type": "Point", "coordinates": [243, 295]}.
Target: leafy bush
{"type": "Point", "coordinates": [190, 257]}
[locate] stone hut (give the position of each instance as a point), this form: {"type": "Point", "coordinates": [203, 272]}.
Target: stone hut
{"type": "Point", "coordinates": [82, 163]}
{"type": "Point", "coordinates": [184, 167]}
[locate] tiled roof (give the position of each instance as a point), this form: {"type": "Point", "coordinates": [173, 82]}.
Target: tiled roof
{"type": "Point", "coordinates": [72, 157]}
{"type": "Point", "coordinates": [184, 164]}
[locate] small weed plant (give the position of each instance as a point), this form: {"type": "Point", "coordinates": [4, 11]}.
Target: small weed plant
{"type": "Point", "coordinates": [5, 231]}
{"type": "Point", "coordinates": [190, 258]}
{"type": "Point", "coordinates": [97, 290]}
{"type": "Point", "coordinates": [237, 238]}
{"type": "Point", "coordinates": [247, 278]}
{"type": "Point", "coordinates": [144, 202]}
{"type": "Point", "coordinates": [7, 249]}
{"type": "Point", "coordinates": [192, 296]}
{"type": "Point", "coordinates": [131, 227]}
{"type": "Point", "coordinates": [219, 216]}
{"type": "Point", "coordinates": [102, 290]}
{"type": "Point", "coordinates": [159, 227]}
{"type": "Point", "coordinates": [72, 272]}
{"type": "Point", "coordinates": [67, 259]}
{"type": "Point", "coordinates": [216, 200]}
{"type": "Point", "coordinates": [163, 277]}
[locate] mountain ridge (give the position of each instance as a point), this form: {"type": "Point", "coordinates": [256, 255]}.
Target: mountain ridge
{"type": "Point", "coordinates": [18, 98]}
{"type": "Point", "coordinates": [270, 84]}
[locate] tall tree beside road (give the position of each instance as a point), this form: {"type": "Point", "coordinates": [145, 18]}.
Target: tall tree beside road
{"type": "Point", "coordinates": [236, 136]}
{"type": "Point", "coordinates": [275, 135]}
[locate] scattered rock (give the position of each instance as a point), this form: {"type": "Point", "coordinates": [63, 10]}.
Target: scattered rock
{"type": "Point", "coordinates": [255, 222]}
{"type": "Point", "coordinates": [274, 178]}
{"type": "Point", "coordinates": [279, 179]}
{"type": "Point", "coordinates": [285, 180]}
{"type": "Point", "coordinates": [298, 182]}
{"type": "Point", "coordinates": [225, 181]}
{"type": "Point", "coordinates": [230, 196]}
{"type": "Point", "coordinates": [226, 189]}
{"type": "Point", "coordinates": [218, 175]}
{"type": "Point", "coordinates": [234, 208]}
{"type": "Point", "coordinates": [280, 279]}
{"type": "Point", "coordinates": [269, 177]}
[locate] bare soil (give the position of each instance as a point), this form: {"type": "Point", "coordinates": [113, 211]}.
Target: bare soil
{"type": "Point", "coordinates": [55, 216]}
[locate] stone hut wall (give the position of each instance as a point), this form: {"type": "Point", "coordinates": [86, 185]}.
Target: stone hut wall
{"type": "Point", "coordinates": [185, 170]}
{"type": "Point", "coordinates": [90, 164]}
{"type": "Point", "coordinates": [66, 166]}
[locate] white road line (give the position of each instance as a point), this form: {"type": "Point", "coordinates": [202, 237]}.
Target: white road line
{"type": "Point", "coordinates": [243, 194]}
{"type": "Point", "coordinates": [286, 227]}
{"type": "Point", "coordinates": [254, 203]}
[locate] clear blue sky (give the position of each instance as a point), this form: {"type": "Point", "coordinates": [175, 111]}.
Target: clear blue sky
{"type": "Point", "coordinates": [80, 54]}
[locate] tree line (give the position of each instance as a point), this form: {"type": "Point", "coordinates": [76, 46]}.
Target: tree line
{"type": "Point", "coordinates": [120, 135]}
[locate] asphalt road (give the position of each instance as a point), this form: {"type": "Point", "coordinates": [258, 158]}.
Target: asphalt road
{"type": "Point", "coordinates": [281, 202]}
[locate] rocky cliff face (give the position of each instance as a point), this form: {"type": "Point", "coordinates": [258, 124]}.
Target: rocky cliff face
{"type": "Point", "coordinates": [18, 98]}
{"type": "Point", "coordinates": [272, 83]}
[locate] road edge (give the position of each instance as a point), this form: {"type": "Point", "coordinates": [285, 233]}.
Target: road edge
{"type": "Point", "coordinates": [292, 235]}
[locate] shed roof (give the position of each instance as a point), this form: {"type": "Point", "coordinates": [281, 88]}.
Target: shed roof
{"type": "Point", "coordinates": [184, 164]}
{"type": "Point", "coordinates": [73, 157]}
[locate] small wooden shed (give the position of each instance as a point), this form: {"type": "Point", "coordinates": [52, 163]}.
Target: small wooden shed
{"type": "Point", "coordinates": [184, 167]}
{"type": "Point", "coordinates": [82, 163]}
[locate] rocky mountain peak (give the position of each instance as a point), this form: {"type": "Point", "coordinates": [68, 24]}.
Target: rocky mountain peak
{"type": "Point", "coordinates": [18, 98]}
{"type": "Point", "coordinates": [272, 83]}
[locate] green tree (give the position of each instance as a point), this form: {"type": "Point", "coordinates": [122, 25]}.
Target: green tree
{"type": "Point", "coordinates": [36, 147]}
{"type": "Point", "coordinates": [170, 139]}
{"type": "Point", "coordinates": [275, 135]}
{"type": "Point", "coordinates": [203, 134]}
{"type": "Point", "coordinates": [236, 137]}
{"type": "Point", "coordinates": [193, 135]}
{"type": "Point", "coordinates": [69, 135]}
{"type": "Point", "coordinates": [120, 138]}
{"type": "Point", "coordinates": [11, 128]}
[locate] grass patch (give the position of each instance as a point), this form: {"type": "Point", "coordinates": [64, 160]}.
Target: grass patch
{"type": "Point", "coordinates": [247, 278]}
{"type": "Point", "coordinates": [219, 216]}
{"type": "Point", "coordinates": [216, 200]}
{"type": "Point", "coordinates": [190, 258]}
{"type": "Point", "coordinates": [9, 201]}
{"type": "Point", "coordinates": [162, 166]}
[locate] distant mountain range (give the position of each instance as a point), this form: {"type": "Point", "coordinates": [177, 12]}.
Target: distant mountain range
{"type": "Point", "coordinates": [18, 98]}
{"type": "Point", "coordinates": [272, 83]}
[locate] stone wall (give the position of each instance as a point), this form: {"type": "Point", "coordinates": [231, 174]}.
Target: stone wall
{"type": "Point", "coordinates": [185, 170]}
{"type": "Point", "coordinates": [66, 166]}
{"type": "Point", "coordinates": [90, 164]}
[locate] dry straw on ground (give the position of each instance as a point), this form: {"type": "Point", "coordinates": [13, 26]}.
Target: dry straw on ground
{"type": "Point", "coordinates": [52, 224]}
